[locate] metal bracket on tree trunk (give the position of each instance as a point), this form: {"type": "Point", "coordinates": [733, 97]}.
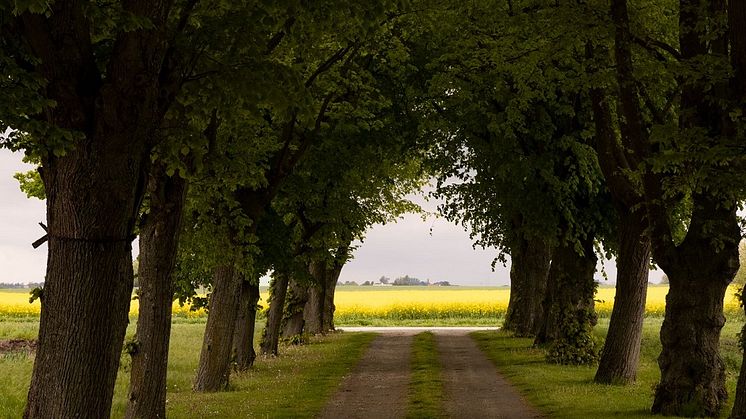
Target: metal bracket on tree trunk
{"type": "Point", "coordinates": [41, 241]}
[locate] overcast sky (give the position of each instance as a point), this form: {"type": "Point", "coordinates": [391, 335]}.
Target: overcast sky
{"type": "Point", "coordinates": [19, 218]}
{"type": "Point", "coordinates": [433, 249]}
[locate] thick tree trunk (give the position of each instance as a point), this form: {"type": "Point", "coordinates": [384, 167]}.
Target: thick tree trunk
{"type": "Point", "coordinates": [692, 372]}
{"type": "Point", "coordinates": [329, 307]}
{"type": "Point", "coordinates": [699, 272]}
{"type": "Point", "coordinates": [84, 316]}
{"type": "Point", "coordinates": [271, 335]}
{"type": "Point", "coordinates": [569, 316]}
{"type": "Point", "coordinates": [243, 338]}
{"type": "Point", "coordinates": [159, 237]}
{"type": "Point", "coordinates": [621, 352]}
{"type": "Point", "coordinates": [93, 196]}
{"type": "Point", "coordinates": [314, 310]}
{"type": "Point", "coordinates": [215, 358]}
{"type": "Point", "coordinates": [547, 328]}
{"type": "Point", "coordinates": [529, 272]}
{"type": "Point", "coordinates": [293, 323]}
{"type": "Point", "coordinates": [313, 313]}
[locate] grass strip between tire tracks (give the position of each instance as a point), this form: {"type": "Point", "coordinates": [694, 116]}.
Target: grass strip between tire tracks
{"type": "Point", "coordinates": [426, 384]}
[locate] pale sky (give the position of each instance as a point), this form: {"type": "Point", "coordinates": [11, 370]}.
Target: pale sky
{"type": "Point", "coordinates": [433, 249]}
{"type": "Point", "coordinates": [19, 218]}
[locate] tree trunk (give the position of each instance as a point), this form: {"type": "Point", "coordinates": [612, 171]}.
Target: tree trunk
{"type": "Point", "coordinates": [621, 352]}
{"type": "Point", "coordinates": [271, 335]}
{"type": "Point", "coordinates": [159, 237]}
{"type": "Point", "coordinates": [331, 286]}
{"type": "Point", "coordinates": [93, 192]}
{"type": "Point", "coordinates": [739, 405]}
{"type": "Point", "coordinates": [93, 197]}
{"type": "Point", "coordinates": [529, 271]}
{"type": "Point", "coordinates": [569, 316]}
{"type": "Point", "coordinates": [313, 313]}
{"type": "Point", "coordinates": [547, 328]}
{"type": "Point", "coordinates": [699, 271]}
{"type": "Point", "coordinates": [84, 316]}
{"type": "Point", "coordinates": [296, 302]}
{"type": "Point", "coordinates": [692, 372]}
{"type": "Point", "coordinates": [243, 338]}
{"type": "Point", "coordinates": [215, 358]}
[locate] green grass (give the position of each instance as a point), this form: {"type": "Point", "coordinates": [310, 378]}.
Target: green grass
{"type": "Point", "coordinates": [19, 329]}
{"type": "Point", "coordinates": [569, 392]}
{"type": "Point", "coordinates": [348, 320]}
{"type": "Point", "coordinates": [296, 384]}
{"type": "Point", "coordinates": [426, 383]}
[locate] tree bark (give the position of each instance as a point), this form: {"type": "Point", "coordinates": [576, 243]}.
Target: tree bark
{"type": "Point", "coordinates": [704, 263]}
{"type": "Point", "coordinates": [529, 272]}
{"type": "Point", "coordinates": [569, 315]}
{"type": "Point", "coordinates": [692, 372]}
{"type": "Point", "coordinates": [84, 315]}
{"type": "Point", "coordinates": [296, 302]}
{"type": "Point", "coordinates": [278, 292]}
{"type": "Point", "coordinates": [547, 327]}
{"type": "Point", "coordinates": [621, 353]}
{"type": "Point", "coordinates": [159, 237]}
{"type": "Point", "coordinates": [313, 312]}
{"type": "Point", "coordinates": [215, 358]}
{"type": "Point", "coordinates": [699, 272]}
{"type": "Point", "coordinates": [243, 338]}
{"type": "Point", "coordinates": [331, 286]}
{"type": "Point", "coordinates": [93, 196]}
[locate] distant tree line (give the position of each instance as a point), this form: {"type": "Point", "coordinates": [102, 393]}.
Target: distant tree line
{"type": "Point", "coordinates": [405, 280]}
{"type": "Point", "coordinates": [18, 285]}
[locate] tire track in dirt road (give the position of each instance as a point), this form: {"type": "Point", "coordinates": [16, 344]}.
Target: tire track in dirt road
{"type": "Point", "coordinates": [377, 388]}
{"type": "Point", "coordinates": [473, 388]}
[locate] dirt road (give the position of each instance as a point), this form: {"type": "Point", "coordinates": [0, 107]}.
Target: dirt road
{"type": "Point", "coordinates": [378, 386]}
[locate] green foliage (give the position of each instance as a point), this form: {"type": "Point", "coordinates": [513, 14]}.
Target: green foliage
{"type": "Point", "coordinates": [319, 95]}
{"type": "Point", "coordinates": [576, 346]}
{"type": "Point", "coordinates": [296, 339]}
{"type": "Point", "coordinates": [36, 294]}
{"type": "Point", "coordinates": [31, 184]}
{"type": "Point", "coordinates": [131, 347]}
{"type": "Point", "coordinates": [513, 145]}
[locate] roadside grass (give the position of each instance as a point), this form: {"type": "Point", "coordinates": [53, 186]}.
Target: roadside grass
{"type": "Point", "coordinates": [354, 320]}
{"type": "Point", "coordinates": [296, 384]}
{"type": "Point", "coordinates": [19, 329]}
{"type": "Point", "coordinates": [426, 383]}
{"type": "Point", "coordinates": [569, 392]}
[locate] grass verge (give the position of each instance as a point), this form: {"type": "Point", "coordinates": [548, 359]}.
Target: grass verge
{"type": "Point", "coordinates": [354, 320]}
{"type": "Point", "coordinates": [426, 385]}
{"type": "Point", "coordinates": [296, 384]}
{"type": "Point", "coordinates": [569, 392]}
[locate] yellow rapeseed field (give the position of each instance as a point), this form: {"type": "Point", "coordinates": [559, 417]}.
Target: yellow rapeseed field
{"type": "Point", "coordinates": [400, 303]}
{"type": "Point", "coordinates": [15, 304]}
